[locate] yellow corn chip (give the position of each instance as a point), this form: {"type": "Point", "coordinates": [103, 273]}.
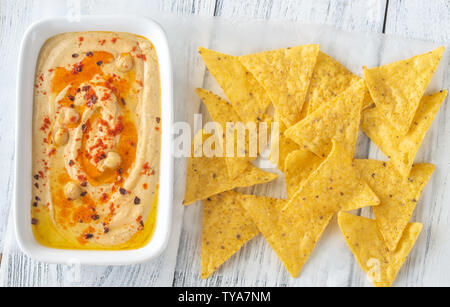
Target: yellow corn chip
{"type": "Point", "coordinates": [397, 88]}
{"type": "Point", "coordinates": [226, 228]}
{"type": "Point", "coordinates": [370, 250]}
{"type": "Point", "coordinates": [338, 119]}
{"type": "Point", "coordinates": [293, 228]}
{"type": "Point", "coordinates": [292, 234]}
{"type": "Point", "coordinates": [329, 80]}
{"type": "Point", "coordinates": [299, 165]}
{"type": "Point", "coordinates": [247, 96]}
{"type": "Point", "coordinates": [222, 113]}
{"type": "Point", "coordinates": [281, 147]}
{"type": "Point", "coordinates": [335, 185]}
{"type": "Point", "coordinates": [286, 76]}
{"type": "Point", "coordinates": [209, 176]}
{"type": "Point", "coordinates": [398, 198]}
{"type": "Point", "coordinates": [402, 150]}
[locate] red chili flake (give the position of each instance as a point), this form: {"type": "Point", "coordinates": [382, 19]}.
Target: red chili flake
{"type": "Point", "coordinates": [117, 129]}
{"type": "Point", "coordinates": [134, 49]}
{"type": "Point", "coordinates": [46, 124]}
{"type": "Point", "coordinates": [106, 96]}
{"type": "Point", "coordinates": [114, 40]}
{"type": "Point", "coordinates": [52, 152]}
{"type": "Point", "coordinates": [41, 78]}
{"type": "Point", "coordinates": [102, 42]}
{"type": "Point", "coordinates": [77, 68]}
{"type": "Point", "coordinates": [41, 174]}
{"type": "Point", "coordinates": [51, 70]}
{"type": "Point", "coordinates": [142, 57]}
{"type": "Point", "coordinates": [157, 128]}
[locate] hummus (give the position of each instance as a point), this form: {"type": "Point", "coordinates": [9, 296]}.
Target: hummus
{"type": "Point", "coordinates": [96, 141]}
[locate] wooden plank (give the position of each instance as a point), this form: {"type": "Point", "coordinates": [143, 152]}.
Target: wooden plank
{"type": "Point", "coordinates": [256, 264]}
{"type": "Point", "coordinates": [429, 264]}
{"type": "Point", "coordinates": [359, 15]}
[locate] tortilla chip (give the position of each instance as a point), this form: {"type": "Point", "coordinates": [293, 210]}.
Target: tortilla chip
{"type": "Point", "coordinates": [335, 185]}
{"type": "Point", "coordinates": [281, 147]}
{"type": "Point", "coordinates": [292, 234]}
{"type": "Point", "coordinates": [247, 96]}
{"type": "Point", "coordinates": [398, 198]}
{"type": "Point", "coordinates": [286, 76]}
{"type": "Point", "coordinates": [397, 88]}
{"type": "Point", "coordinates": [402, 150]}
{"type": "Point", "coordinates": [226, 228]}
{"type": "Point", "coordinates": [338, 119]}
{"type": "Point", "coordinates": [222, 113]}
{"type": "Point", "coordinates": [370, 250]}
{"type": "Point", "coordinates": [299, 165]}
{"type": "Point", "coordinates": [329, 80]}
{"type": "Point", "coordinates": [209, 176]}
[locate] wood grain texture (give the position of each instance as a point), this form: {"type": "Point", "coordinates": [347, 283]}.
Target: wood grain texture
{"type": "Point", "coordinates": [256, 264]}
{"type": "Point", "coordinates": [14, 19]}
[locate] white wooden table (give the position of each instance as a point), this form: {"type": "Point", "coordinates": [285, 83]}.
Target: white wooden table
{"type": "Point", "coordinates": [428, 266]}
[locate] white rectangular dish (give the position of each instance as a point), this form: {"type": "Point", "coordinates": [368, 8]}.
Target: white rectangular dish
{"type": "Point", "coordinates": [33, 40]}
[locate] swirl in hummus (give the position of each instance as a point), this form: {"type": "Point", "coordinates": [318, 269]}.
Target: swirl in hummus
{"type": "Point", "coordinates": [96, 141]}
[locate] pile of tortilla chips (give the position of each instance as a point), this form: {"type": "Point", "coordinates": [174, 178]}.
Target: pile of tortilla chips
{"type": "Point", "coordinates": [319, 106]}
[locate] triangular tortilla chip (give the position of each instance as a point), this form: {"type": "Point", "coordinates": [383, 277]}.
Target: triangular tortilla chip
{"type": "Point", "coordinates": [398, 197]}
{"type": "Point", "coordinates": [281, 147]}
{"type": "Point", "coordinates": [337, 119]}
{"type": "Point", "coordinates": [370, 250]}
{"type": "Point", "coordinates": [299, 165]}
{"type": "Point", "coordinates": [292, 234]}
{"type": "Point", "coordinates": [247, 96]}
{"type": "Point", "coordinates": [222, 113]}
{"type": "Point", "coordinates": [294, 228]}
{"type": "Point", "coordinates": [209, 176]}
{"type": "Point", "coordinates": [329, 80]}
{"type": "Point", "coordinates": [397, 88]}
{"type": "Point", "coordinates": [335, 185]}
{"type": "Point", "coordinates": [402, 150]}
{"type": "Point", "coordinates": [226, 228]}
{"type": "Point", "coordinates": [286, 76]}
